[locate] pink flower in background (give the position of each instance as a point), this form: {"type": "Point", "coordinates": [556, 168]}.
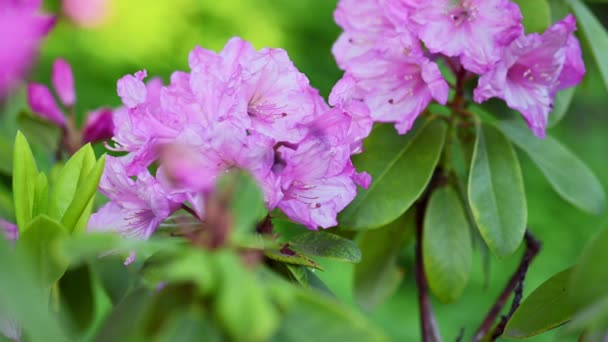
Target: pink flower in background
{"type": "Point", "coordinates": [474, 30]}
{"type": "Point", "coordinates": [239, 109]}
{"type": "Point", "coordinates": [9, 230]}
{"type": "Point", "coordinates": [98, 125]}
{"type": "Point", "coordinates": [529, 73]}
{"type": "Point", "coordinates": [86, 13]}
{"type": "Point", "coordinates": [22, 28]}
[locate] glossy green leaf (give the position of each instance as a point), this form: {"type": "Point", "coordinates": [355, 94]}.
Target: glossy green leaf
{"type": "Point", "coordinates": [77, 298]}
{"type": "Point", "coordinates": [496, 192]}
{"type": "Point", "coordinates": [37, 244]}
{"type": "Point", "coordinates": [561, 104]}
{"type": "Point", "coordinates": [318, 318]}
{"type": "Point", "coordinates": [326, 245]}
{"type": "Point", "coordinates": [595, 33]}
{"type": "Point", "coordinates": [536, 13]}
{"type": "Point", "coordinates": [41, 195]}
{"type": "Point", "coordinates": [65, 186]}
{"type": "Point", "coordinates": [242, 306]}
{"type": "Point", "coordinates": [401, 166]}
{"type": "Point", "coordinates": [446, 245]}
{"type": "Point", "coordinates": [545, 308]}
{"type": "Point", "coordinates": [79, 204]}
{"type": "Point", "coordinates": [289, 256]}
{"type": "Point", "coordinates": [590, 277]}
{"type": "Point", "coordinates": [24, 180]}
{"type": "Point", "coordinates": [377, 275]}
{"type": "Point", "coordinates": [568, 175]}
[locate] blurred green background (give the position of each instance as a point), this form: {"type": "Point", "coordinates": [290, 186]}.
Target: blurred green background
{"type": "Point", "coordinates": [157, 36]}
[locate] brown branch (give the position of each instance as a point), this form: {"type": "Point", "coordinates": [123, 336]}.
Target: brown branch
{"type": "Point", "coordinates": [515, 284]}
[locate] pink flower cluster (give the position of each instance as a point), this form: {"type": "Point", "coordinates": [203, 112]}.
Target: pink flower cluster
{"type": "Point", "coordinates": [239, 108]}
{"type": "Point", "coordinates": [22, 28]}
{"type": "Point", "coordinates": [390, 49]}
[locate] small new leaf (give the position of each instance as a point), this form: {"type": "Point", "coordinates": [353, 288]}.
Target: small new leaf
{"type": "Point", "coordinates": [24, 180]}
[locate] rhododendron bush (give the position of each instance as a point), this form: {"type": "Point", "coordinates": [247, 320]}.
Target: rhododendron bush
{"type": "Point", "coordinates": [226, 197]}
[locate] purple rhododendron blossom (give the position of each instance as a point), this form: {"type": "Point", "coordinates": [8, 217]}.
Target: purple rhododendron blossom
{"type": "Point", "coordinates": [530, 71]}
{"type": "Point", "coordinates": [474, 30]}
{"type": "Point", "coordinates": [22, 28]}
{"type": "Point", "coordinates": [243, 109]}
{"type": "Point", "coordinates": [136, 207]}
{"type": "Point", "coordinates": [63, 82]}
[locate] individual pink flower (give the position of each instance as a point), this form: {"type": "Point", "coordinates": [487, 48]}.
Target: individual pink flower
{"type": "Point", "coordinates": [98, 126]}
{"type": "Point", "coordinates": [574, 66]}
{"type": "Point", "coordinates": [63, 82]}
{"type": "Point", "coordinates": [22, 28]}
{"type": "Point", "coordinates": [136, 207]}
{"type": "Point", "coordinates": [397, 87]}
{"type": "Point", "coordinates": [529, 72]}
{"type": "Point", "coordinates": [474, 30]}
{"type": "Point", "coordinates": [87, 13]}
{"type": "Point", "coordinates": [43, 103]}
{"type": "Point", "coordinates": [317, 177]}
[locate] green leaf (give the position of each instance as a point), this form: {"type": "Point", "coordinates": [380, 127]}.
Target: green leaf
{"type": "Point", "coordinates": [561, 104]}
{"type": "Point", "coordinates": [289, 256]}
{"type": "Point", "coordinates": [536, 13]}
{"type": "Point", "coordinates": [77, 298]}
{"type": "Point", "coordinates": [40, 132]}
{"type": "Point", "coordinates": [24, 180]}
{"type": "Point", "coordinates": [41, 195]}
{"type": "Point", "coordinates": [240, 299]}
{"type": "Point", "coordinates": [544, 309]}
{"type": "Point", "coordinates": [246, 200]}
{"type": "Point", "coordinates": [569, 176]}
{"type": "Point", "coordinates": [446, 245]}
{"type": "Point", "coordinates": [115, 279]}
{"type": "Point", "coordinates": [190, 325]}
{"type": "Point", "coordinates": [37, 243]}
{"type": "Point", "coordinates": [125, 322]}
{"type": "Point", "coordinates": [596, 35]}
{"type": "Point", "coordinates": [184, 266]}
{"type": "Point", "coordinates": [401, 166]}
{"type": "Point", "coordinates": [65, 188]}
{"type": "Point", "coordinates": [326, 245]}
{"type": "Point", "coordinates": [308, 279]}
{"type": "Point", "coordinates": [22, 297]}
{"type": "Point", "coordinates": [590, 276]}
{"type": "Point", "coordinates": [79, 204]}
{"type": "Point", "coordinates": [320, 319]}
{"type": "Point", "coordinates": [591, 318]}
{"type": "Point", "coordinates": [496, 192]}
{"type": "Point", "coordinates": [377, 276]}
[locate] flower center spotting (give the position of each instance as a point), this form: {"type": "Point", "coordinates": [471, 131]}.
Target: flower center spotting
{"type": "Point", "coordinates": [462, 12]}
